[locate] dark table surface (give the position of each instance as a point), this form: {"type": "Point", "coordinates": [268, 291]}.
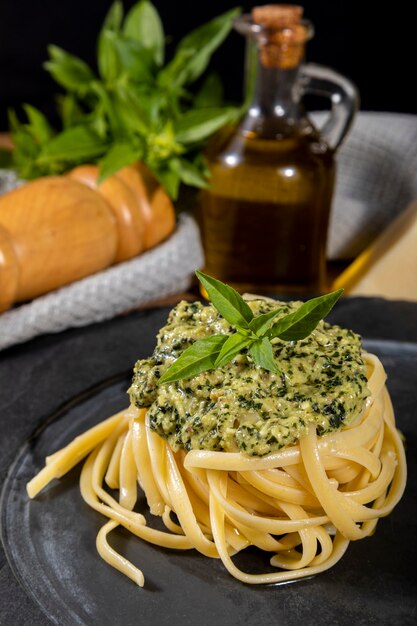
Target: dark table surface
{"type": "Point", "coordinates": [38, 377]}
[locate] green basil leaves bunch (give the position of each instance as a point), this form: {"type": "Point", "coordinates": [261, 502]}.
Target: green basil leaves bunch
{"type": "Point", "coordinates": [252, 333]}
{"type": "Point", "coordinates": [136, 108]}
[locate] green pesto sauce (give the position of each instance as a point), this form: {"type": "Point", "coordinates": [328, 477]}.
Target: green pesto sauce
{"type": "Point", "coordinates": [242, 407]}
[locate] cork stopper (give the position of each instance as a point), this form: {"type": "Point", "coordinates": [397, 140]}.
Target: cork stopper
{"type": "Point", "coordinates": [284, 34]}
{"type": "Point", "coordinates": [277, 15]}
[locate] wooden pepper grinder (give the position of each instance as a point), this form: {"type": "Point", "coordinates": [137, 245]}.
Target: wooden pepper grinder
{"type": "Point", "coordinates": [57, 230]}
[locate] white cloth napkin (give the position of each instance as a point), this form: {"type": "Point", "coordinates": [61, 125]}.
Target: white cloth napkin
{"type": "Point", "coordinates": [376, 180]}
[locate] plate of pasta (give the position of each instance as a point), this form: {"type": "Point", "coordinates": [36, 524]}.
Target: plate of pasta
{"type": "Point", "coordinates": [214, 531]}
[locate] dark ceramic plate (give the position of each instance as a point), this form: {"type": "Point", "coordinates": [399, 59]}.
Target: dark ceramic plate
{"type": "Point", "coordinates": [50, 544]}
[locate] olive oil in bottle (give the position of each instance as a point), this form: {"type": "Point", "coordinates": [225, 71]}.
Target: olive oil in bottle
{"type": "Point", "coordinates": [265, 216]}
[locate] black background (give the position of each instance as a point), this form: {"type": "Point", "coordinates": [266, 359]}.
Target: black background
{"type": "Point", "coordinates": [375, 49]}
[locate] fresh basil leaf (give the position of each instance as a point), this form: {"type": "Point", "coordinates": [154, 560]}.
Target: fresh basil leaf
{"type": "Point", "coordinates": [6, 158]}
{"type": "Point", "coordinates": [227, 301]}
{"type": "Point", "coordinates": [199, 357]}
{"type": "Point", "coordinates": [133, 110]}
{"type": "Point", "coordinates": [170, 76]}
{"type": "Point", "coordinates": [120, 155]}
{"type": "Point", "coordinates": [210, 94]}
{"type": "Point", "coordinates": [135, 60]}
{"type": "Point", "coordinates": [14, 124]}
{"type": "Point", "coordinates": [74, 144]}
{"type": "Point", "coordinates": [201, 162]}
{"type": "Point", "coordinates": [69, 110]}
{"type": "Point", "coordinates": [303, 321]}
{"type": "Point", "coordinates": [261, 352]}
{"type": "Point", "coordinates": [114, 17]}
{"type": "Point", "coordinates": [261, 323]}
{"type": "Point", "coordinates": [188, 173]}
{"type": "Point", "coordinates": [168, 179]}
{"type": "Point", "coordinates": [155, 103]}
{"type": "Point", "coordinates": [38, 124]}
{"type": "Point", "coordinates": [98, 121]}
{"type": "Point", "coordinates": [107, 57]}
{"type": "Point", "coordinates": [106, 100]}
{"type": "Point", "coordinates": [234, 344]}
{"type": "Point", "coordinates": [196, 48]}
{"type": "Point", "coordinates": [26, 149]}
{"type": "Point", "coordinates": [144, 25]}
{"type": "Point", "coordinates": [198, 124]}
{"type": "Point", "coordinates": [68, 70]}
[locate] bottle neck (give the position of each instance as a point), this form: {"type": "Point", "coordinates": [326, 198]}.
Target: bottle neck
{"type": "Point", "coordinates": [273, 94]}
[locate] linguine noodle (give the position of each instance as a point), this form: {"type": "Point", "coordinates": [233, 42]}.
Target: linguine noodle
{"type": "Point", "coordinates": [303, 503]}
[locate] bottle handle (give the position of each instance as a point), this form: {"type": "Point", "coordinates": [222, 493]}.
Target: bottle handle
{"type": "Point", "coordinates": [343, 95]}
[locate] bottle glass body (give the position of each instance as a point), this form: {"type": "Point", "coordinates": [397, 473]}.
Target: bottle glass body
{"type": "Point", "coordinates": [265, 216]}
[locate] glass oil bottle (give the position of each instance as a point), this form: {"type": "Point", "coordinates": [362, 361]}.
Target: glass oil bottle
{"type": "Point", "coordinates": [265, 216]}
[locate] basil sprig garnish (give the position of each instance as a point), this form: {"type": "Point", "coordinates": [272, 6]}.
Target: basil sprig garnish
{"type": "Point", "coordinates": [252, 333]}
